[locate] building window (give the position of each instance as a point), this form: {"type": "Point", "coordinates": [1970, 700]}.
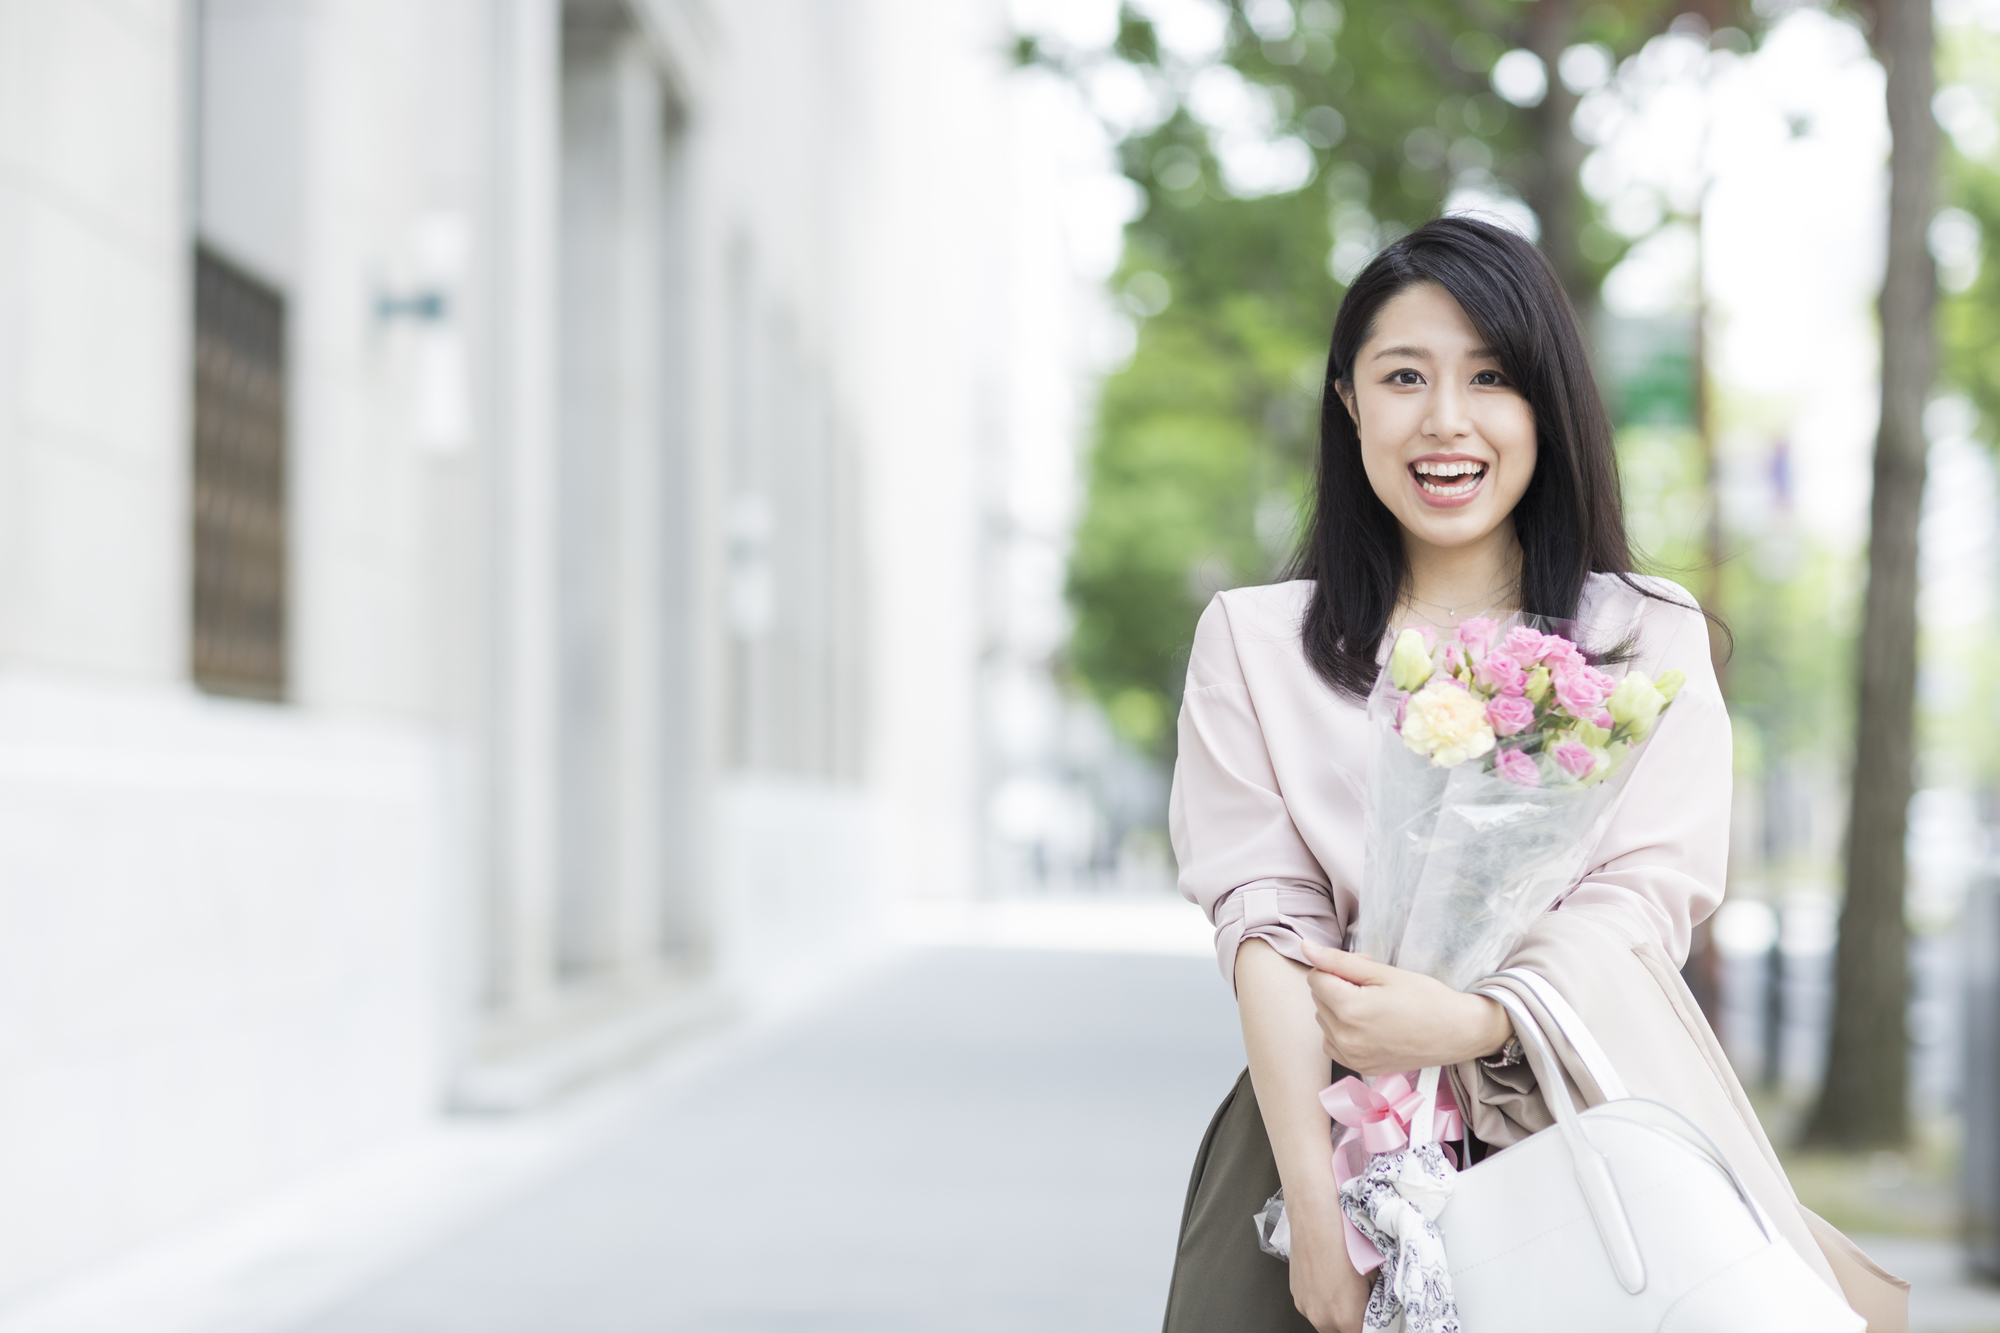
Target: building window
{"type": "Point", "coordinates": [239, 482]}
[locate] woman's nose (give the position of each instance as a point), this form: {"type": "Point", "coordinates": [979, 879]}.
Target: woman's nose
{"type": "Point", "coordinates": [1449, 417]}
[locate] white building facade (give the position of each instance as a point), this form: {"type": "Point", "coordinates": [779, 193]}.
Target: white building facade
{"type": "Point", "coordinates": [490, 554]}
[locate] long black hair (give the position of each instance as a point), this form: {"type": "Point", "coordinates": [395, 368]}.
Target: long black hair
{"type": "Point", "coordinates": [1570, 521]}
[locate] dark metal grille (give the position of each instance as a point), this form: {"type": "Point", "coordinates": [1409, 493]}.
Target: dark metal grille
{"type": "Point", "coordinates": [239, 482]}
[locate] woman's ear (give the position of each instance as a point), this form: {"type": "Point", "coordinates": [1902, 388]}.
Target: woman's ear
{"type": "Point", "coordinates": [1345, 389]}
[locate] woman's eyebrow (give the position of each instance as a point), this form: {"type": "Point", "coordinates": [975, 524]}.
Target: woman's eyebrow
{"type": "Point", "coordinates": [1423, 354]}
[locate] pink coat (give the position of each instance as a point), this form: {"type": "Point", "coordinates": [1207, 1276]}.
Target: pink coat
{"type": "Point", "coordinates": [1268, 815]}
{"type": "Point", "coordinates": [1269, 795]}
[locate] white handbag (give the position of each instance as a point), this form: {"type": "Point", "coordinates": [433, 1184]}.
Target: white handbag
{"type": "Point", "coordinates": [1621, 1218]}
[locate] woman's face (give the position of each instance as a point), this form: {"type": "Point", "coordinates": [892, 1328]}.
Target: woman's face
{"type": "Point", "coordinates": [1449, 444]}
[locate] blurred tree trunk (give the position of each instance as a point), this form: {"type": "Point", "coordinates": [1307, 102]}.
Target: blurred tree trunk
{"type": "Point", "coordinates": [1864, 1099]}
{"type": "Point", "coordinates": [1552, 189]}
{"type": "Point", "coordinates": [1703, 970]}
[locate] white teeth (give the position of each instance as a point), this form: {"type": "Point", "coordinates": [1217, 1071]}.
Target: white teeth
{"type": "Point", "coordinates": [1449, 479]}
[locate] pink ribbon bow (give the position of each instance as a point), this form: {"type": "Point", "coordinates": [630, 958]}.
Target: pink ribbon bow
{"type": "Point", "coordinates": [1377, 1120]}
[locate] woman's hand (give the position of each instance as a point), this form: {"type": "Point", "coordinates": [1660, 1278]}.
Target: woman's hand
{"type": "Point", "coordinates": [1377, 1019]}
{"type": "Point", "coordinates": [1325, 1287]}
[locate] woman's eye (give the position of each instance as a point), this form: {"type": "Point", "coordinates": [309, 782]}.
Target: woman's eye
{"type": "Point", "coordinates": [1490, 379]}
{"type": "Point", "coordinates": [1406, 377]}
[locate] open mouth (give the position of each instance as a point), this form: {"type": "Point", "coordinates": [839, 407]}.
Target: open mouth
{"type": "Point", "coordinates": [1448, 481]}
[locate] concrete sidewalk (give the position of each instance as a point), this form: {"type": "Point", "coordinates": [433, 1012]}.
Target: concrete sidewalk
{"type": "Point", "coordinates": [976, 1140]}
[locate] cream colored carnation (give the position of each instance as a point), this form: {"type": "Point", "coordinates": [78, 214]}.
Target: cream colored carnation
{"type": "Point", "coordinates": [1447, 723]}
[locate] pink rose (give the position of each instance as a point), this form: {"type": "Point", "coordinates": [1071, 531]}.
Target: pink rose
{"type": "Point", "coordinates": [1501, 672]}
{"type": "Point", "coordinates": [1559, 652]}
{"type": "Point", "coordinates": [1604, 719]}
{"type": "Point", "coordinates": [1510, 715]}
{"type": "Point", "coordinates": [1477, 636]}
{"type": "Point", "coordinates": [1454, 657]}
{"type": "Point", "coordinates": [1575, 759]}
{"type": "Point", "coordinates": [1524, 645]}
{"type": "Point", "coordinates": [1517, 767]}
{"type": "Point", "coordinates": [1582, 689]}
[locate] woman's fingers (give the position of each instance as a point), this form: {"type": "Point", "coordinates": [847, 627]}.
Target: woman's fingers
{"type": "Point", "coordinates": [1378, 1019]}
{"type": "Point", "coordinates": [1332, 997]}
{"type": "Point", "coordinates": [1351, 966]}
{"type": "Point", "coordinates": [1360, 1025]}
{"type": "Point", "coordinates": [1326, 985]}
{"type": "Point", "coordinates": [1327, 1291]}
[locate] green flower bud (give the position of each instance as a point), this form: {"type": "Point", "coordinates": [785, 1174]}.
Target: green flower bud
{"type": "Point", "coordinates": [1410, 662]}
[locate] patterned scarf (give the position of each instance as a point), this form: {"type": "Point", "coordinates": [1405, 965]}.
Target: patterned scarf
{"type": "Point", "coordinates": [1395, 1203]}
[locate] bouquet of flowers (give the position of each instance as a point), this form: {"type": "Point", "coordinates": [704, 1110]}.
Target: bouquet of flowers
{"type": "Point", "coordinates": [1500, 750]}
{"type": "Point", "coordinates": [1491, 787]}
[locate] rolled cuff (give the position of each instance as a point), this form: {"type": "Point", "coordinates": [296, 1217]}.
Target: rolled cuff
{"type": "Point", "coordinates": [1282, 913]}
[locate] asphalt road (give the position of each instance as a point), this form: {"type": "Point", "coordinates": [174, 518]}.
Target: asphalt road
{"type": "Point", "coordinates": [976, 1141]}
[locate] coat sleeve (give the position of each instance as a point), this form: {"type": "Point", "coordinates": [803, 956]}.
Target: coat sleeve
{"type": "Point", "coordinates": [1665, 852]}
{"type": "Point", "coordinates": [1241, 858]}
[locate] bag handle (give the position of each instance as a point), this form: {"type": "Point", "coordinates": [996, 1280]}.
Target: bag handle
{"type": "Point", "coordinates": [1571, 1025]}
{"type": "Point", "coordinates": [1598, 1065]}
{"type": "Point", "coordinates": [1423, 1124]}
{"type": "Point", "coordinates": [1593, 1172]}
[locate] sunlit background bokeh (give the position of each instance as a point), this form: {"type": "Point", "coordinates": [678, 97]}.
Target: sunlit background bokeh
{"type": "Point", "coordinates": [593, 596]}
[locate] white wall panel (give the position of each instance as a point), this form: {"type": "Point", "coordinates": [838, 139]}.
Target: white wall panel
{"type": "Point", "coordinates": [92, 398]}
{"type": "Point", "coordinates": [217, 957]}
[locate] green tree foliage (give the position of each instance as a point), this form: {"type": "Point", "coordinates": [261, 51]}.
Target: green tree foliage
{"type": "Point", "coordinates": [1967, 241]}
{"type": "Point", "coordinates": [1205, 440]}
{"type": "Point", "coordinates": [1969, 323]}
{"type": "Point", "coordinates": [1209, 418]}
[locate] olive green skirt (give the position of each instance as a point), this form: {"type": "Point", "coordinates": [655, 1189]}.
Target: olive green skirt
{"type": "Point", "coordinates": [1223, 1283]}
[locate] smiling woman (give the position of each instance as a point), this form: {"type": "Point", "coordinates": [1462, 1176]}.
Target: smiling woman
{"type": "Point", "coordinates": [1439, 417]}
{"type": "Point", "coordinates": [1465, 456]}
{"type": "Point", "coordinates": [1465, 476]}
